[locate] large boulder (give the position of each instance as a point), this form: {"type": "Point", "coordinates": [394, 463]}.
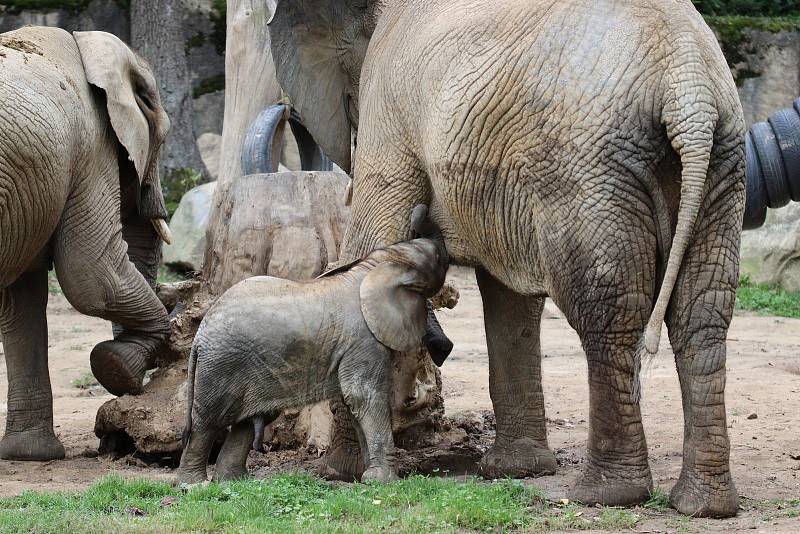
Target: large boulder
{"type": "Point", "coordinates": [771, 254]}
{"type": "Point", "coordinates": [210, 145]}
{"type": "Point", "coordinates": [188, 226]}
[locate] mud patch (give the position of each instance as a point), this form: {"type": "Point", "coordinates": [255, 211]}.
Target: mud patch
{"type": "Point", "coordinates": [454, 449]}
{"type": "Point", "coordinates": [26, 47]}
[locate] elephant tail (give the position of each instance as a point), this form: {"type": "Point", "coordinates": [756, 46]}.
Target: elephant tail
{"type": "Point", "coordinates": [690, 116]}
{"type": "Point", "coordinates": [187, 429]}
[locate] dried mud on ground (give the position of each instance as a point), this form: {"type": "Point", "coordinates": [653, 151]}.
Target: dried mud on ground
{"type": "Point", "coordinates": [763, 403]}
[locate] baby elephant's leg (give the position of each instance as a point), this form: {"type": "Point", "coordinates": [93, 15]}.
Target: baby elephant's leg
{"type": "Point", "coordinates": [366, 393]}
{"type": "Point", "coordinates": [232, 459]}
{"type": "Point", "coordinates": [195, 457]}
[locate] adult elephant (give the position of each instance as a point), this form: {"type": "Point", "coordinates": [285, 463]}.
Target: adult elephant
{"type": "Point", "coordinates": [589, 150]}
{"type": "Point", "coordinates": [82, 124]}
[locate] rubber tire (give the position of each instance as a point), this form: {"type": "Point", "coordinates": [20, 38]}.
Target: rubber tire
{"type": "Point", "coordinates": [312, 158]}
{"type": "Point", "coordinates": [771, 165]}
{"type": "Point", "coordinates": [259, 143]}
{"type": "Point", "coordinates": [755, 212]}
{"type": "Point", "coordinates": [786, 125]}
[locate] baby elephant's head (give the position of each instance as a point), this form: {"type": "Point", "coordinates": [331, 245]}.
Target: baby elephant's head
{"type": "Point", "coordinates": [394, 293]}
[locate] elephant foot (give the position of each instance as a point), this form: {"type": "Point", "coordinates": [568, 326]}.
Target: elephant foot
{"type": "Point", "coordinates": [119, 366]}
{"type": "Point", "coordinates": [519, 459]}
{"type": "Point", "coordinates": [341, 463]}
{"type": "Point", "coordinates": [379, 474]}
{"type": "Point", "coordinates": [716, 498]}
{"type": "Point", "coordinates": [191, 476]}
{"type": "Point", "coordinates": [31, 445]}
{"type": "Point", "coordinates": [613, 487]}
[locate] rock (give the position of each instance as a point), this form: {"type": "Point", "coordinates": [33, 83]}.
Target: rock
{"type": "Point", "coordinates": [209, 145]}
{"type": "Point", "coordinates": [768, 72]}
{"type": "Point", "coordinates": [104, 15]}
{"type": "Point", "coordinates": [209, 109]}
{"type": "Point", "coordinates": [188, 226]}
{"type": "Point", "coordinates": [771, 254]}
{"type": "Point", "coordinates": [753, 416]}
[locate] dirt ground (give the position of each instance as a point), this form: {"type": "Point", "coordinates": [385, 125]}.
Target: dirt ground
{"type": "Point", "coordinates": [763, 403]}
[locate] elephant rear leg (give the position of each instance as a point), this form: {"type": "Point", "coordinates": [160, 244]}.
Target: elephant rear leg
{"type": "Point", "coordinates": [699, 316]}
{"type": "Point", "coordinates": [515, 382]}
{"type": "Point", "coordinates": [232, 459]}
{"type": "Point", "coordinates": [194, 459]}
{"type": "Point", "coordinates": [605, 285]}
{"type": "Point", "coordinates": [23, 321]}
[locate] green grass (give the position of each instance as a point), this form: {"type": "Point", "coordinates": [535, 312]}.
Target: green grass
{"type": "Point", "coordinates": [659, 500]}
{"type": "Point", "coordinates": [53, 287]}
{"type": "Point", "coordinates": [168, 276]}
{"type": "Point", "coordinates": [300, 503]}
{"type": "Point", "coordinates": [767, 300]}
{"type": "Point", "coordinates": [85, 381]}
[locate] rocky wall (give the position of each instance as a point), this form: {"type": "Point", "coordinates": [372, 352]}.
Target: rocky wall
{"type": "Point", "coordinates": [203, 34]}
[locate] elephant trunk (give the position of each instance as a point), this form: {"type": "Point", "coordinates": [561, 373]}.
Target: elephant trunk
{"type": "Point", "coordinates": [773, 164]}
{"type": "Point", "coordinates": [144, 227]}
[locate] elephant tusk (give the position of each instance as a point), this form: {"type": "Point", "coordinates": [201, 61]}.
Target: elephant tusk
{"type": "Point", "coordinates": [162, 230]}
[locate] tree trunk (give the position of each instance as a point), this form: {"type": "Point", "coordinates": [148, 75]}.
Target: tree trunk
{"type": "Point", "coordinates": [250, 86]}
{"type": "Point", "coordinates": [157, 35]}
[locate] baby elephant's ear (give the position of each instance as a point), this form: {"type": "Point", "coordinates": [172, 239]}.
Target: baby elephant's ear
{"type": "Point", "coordinates": [394, 309]}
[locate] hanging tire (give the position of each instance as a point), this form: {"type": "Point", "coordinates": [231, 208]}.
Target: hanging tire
{"type": "Point", "coordinates": [261, 151]}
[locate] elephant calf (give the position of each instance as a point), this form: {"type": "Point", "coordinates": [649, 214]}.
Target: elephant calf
{"type": "Point", "coordinates": [270, 344]}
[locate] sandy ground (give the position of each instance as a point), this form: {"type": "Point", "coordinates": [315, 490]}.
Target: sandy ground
{"type": "Point", "coordinates": [763, 379]}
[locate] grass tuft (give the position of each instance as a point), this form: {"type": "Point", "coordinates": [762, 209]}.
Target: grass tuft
{"type": "Point", "coordinates": [659, 500]}
{"type": "Point", "coordinates": [767, 300]}
{"type": "Point", "coordinates": [301, 503]}
{"type": "Point", "coordinates": [85, 381]}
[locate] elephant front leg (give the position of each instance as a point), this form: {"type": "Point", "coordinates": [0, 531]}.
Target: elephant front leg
{"type": "Point", "coordinates": [98, 279]}
{"type": "Point", "coordinates": [366, 391]}
{"type": "Point", "coordinates": [512, 324]}
{"type": "Point", "coordinates": [23, 321]}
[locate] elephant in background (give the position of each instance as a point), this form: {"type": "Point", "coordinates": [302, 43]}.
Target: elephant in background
{"type": "Point", "coordinates": [586, 150]}
{"type": "Point", "coordinates": [80, 132]}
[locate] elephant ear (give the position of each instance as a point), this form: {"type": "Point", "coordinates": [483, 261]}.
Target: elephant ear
{"type": "Point", "coordinates": [311, 42]}
{"type": "Point", "coordinates": [132, 99]}
{"type": "Point", "coordinates": [393, 306]}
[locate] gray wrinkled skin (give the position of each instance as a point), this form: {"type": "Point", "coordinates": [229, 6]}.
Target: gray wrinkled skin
{"type": "Point", "coordinates": [589, 150]}
{"type": "Point", "coordinates": [269, 344]}
{"type": "Point", "coordinates": [69, 197]}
